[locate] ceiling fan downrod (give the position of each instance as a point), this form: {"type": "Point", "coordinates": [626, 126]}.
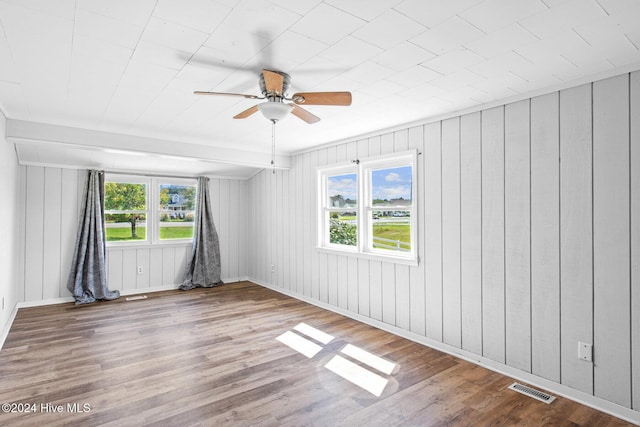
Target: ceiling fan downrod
{"type": "Point", "coordinates": [273, 146]}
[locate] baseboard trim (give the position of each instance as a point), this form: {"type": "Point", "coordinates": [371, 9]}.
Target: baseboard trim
{"type": "Point", "coordinates": [123, 292]}
{"type": "Point", "coordinates": [591, 401]}
{"type": "Point", "coordinates": [7, 327]}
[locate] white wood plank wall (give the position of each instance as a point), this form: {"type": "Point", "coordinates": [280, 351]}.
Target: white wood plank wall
{"type": "Point", "coordinates": [51, 203]}
{"type": "Point", "coordinates": [528, 236]}
{"type": "Point", "coordinates": [634, 105]}
{"type": "Point", "coordinates": [545, 232]}
{"type": "Point", "coordinates": [611, 241]}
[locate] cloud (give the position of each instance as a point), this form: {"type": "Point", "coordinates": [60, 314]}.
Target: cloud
{"type": "Point", "coordinates": [393, 177]}
{"type": "Point", "coordinates": [346, 187]}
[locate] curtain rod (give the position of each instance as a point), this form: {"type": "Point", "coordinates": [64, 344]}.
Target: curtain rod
{"type": "Point", "coordinates": [150, 175]}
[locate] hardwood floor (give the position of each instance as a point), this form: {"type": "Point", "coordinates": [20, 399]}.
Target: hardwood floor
{"type": "Point", "coordinates": [210, 357]}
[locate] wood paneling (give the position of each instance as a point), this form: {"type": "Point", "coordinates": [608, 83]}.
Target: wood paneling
{"type": "Point", "coordinates": [389, 293]}
{"type": "Point", "coordinates": [635, 237]}
{"type": "Point", "coordinates": [155, 261]}
{"type": "Point", "coordinates": [545, 235]}
{"type": "Point", "coordinates": [576, 237]}
{"type": "Point", "coordinates": [34, 245]}
{"type": "Point", "coordinates": [403, 297]}
{"type": "Point", "coordinates": [308, 183]}
{"type": "Point", "coordinates": [51, 263]}
{"type": "Point", "coordinates": [517, 209]}
{"type": "Point", "coordinates": [223, 232]}
{"type": "Point", "coordinates": [611, 257]}
{"type": "Point", "coordinates": [300, 222]}
{"type": "Point", "coordinates": [114, 269]}
{"type": "Point", "coordinates": [129, 267]}
{"type": "Point", "coordinates": [493, 284]}
{"type": "Point", "coordinates": [352, 285]}
{"type": "Point", "coordinates": [451, 290]}
{"type": "Point", "coordinates": [433, 230]}
{"type": "Point", "coordinates": [69, 207]}
{"type": "Point", "coordinates": [417, 295]}
{"type": "Point", "coordinates": [363, 287]}
{"type": "Point", "coordinates": [375, 290]}
{"type": "Point", "coordinates": [233, 252]}
{"type": "Point", "coordinates": [471, 232]}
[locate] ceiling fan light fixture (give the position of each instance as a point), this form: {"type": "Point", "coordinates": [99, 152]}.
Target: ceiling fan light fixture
{"type": "Point", "coordinates": [275, 111]}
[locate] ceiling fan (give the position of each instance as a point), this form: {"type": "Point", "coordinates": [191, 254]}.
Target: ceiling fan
{"type": "Point", "coordinates": [274, 86]}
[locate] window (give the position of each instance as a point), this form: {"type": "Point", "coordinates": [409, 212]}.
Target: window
{"type": "Point", "coordinates": [369, 207]}
{"type": "Point", "coordinates": [176, 212]}
{"type": "Point", "coordinates": [126, 210]}
{"type": "Point", "coordinates": [130, 218]}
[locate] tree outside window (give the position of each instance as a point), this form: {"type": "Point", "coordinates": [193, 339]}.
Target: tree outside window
{"type": "Point", "coordinates": [125, 211]}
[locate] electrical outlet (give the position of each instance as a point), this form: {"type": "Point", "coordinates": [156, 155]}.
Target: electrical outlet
{"type": "Point", "coordinates": [273, 268]}
{"type": "Point", "coordinates": [140, 270]}
{"type": "Point", "coordinates": [585, 351]}
{"type": "Point", "coordinates": [3, 303]}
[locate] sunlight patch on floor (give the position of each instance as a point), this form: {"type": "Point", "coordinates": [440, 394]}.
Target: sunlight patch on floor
{"type": "Point", "coordinates": [299, 344]}
{"type": "Point", "coordinates": [358, 375]}
{"type": "Point", "coordinates": [369, 359]}
{"type": "Point", "coordinates": [314, 333]}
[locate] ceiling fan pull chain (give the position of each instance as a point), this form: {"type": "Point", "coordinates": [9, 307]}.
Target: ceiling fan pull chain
{"type": "Point", "coordinates": [273, 145]}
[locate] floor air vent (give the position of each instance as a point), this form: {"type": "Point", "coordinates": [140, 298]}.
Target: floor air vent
{"type": "Point", "coordinates": [531, 392]}
{"type": "Point", "coordinates": [136, 298]}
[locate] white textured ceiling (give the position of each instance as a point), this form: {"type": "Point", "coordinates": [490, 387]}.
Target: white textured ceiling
{"type": "Point", "coordinates": [131, 67]}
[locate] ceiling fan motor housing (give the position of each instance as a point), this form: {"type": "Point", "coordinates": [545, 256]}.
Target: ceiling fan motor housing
{"type": "Point", "coordinates": [285, 86]}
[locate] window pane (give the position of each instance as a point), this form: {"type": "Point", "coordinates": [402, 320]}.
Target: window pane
{"type": "Point", "coordinates": [391, 186]}
{"type": "Point", "coordinates": [124, 227]}
{"type": "Point", "coordinates": [176, 213]}
{"type": "Point", "coordinates": [391, 230]}
{"type": "Point", "coordinates": [342, 190]}
{"type": "Point", "coordinates": [343, 228]}
{"type": "Point", "coordinates": [123, 196]}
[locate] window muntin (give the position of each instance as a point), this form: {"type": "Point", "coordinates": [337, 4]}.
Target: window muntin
{"type": "Point", "coordinates": [369, 207]}
{"type": "Point", "coordinates": [128, 201]}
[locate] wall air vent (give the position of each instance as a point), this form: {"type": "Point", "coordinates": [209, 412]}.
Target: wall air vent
{"type": "Point", "coordinates": [531, 392]}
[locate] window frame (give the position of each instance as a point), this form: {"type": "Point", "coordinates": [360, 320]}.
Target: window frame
{"type": "Point", "coordinates": [363, 168]}
{"type": "Point", "coordinates": [325, 214]}
{"type": "Point", "coordinates": [152, 209]}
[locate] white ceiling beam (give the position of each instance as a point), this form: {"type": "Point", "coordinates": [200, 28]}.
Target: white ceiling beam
{"type": "Point", "coordinates": [44, 133]}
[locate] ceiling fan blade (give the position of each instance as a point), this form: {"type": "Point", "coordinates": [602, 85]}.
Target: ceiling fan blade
{"type": "Point", "coordinates": [246, 113]}
{"type": "Point", "coordinates": [303, 114]}
{"type": "Point", "coordinates": [242, 95]}
{"type": "Point", "coordinates": [322, 98]}
{"type": "Point", "coordinates": [273, 81]}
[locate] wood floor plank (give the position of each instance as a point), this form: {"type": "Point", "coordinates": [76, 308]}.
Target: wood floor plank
{"type": "Point", "coordinates": [210, 357]}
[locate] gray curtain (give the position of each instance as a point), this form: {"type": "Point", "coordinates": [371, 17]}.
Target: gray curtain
{"type": "Point", "coordinates": [88, 277]}
{"type": "Point", "coordinates": [203, 271]}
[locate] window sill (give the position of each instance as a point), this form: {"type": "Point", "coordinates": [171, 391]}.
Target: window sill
{"type": "Point", "coordinates": [412, 262]}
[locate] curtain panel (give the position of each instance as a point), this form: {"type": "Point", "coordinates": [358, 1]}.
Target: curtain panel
{"type": "Point", "coordinates": [203, 271]}
{"type": "Point", "coordinates": [88, 277]}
